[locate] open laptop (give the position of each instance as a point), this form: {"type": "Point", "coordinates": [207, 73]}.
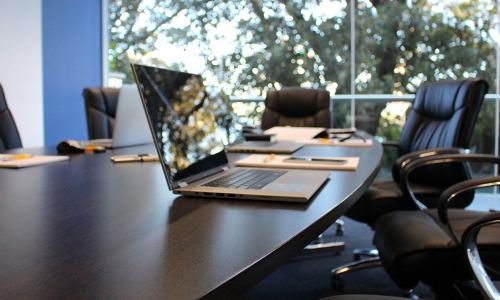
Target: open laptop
{"type": "Point", "coordinates": [131, 126]}
{"type": "Point", "coordinates": [189, 144]}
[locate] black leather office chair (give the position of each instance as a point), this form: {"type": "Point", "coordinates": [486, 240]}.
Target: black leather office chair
{"type": "Point", "coordinates": [470, 255]}
{"type": "Point", "coordinates": [295, 106]}
{"type": "Point", "coordinates": [9, 136]}
{"type": "Point", "coordinates": [428, 245]}
{"type": "Point", "coordinates": [442, 115]}
{"type": "Point", "coordinates": [100, 109]}
{"type": "Point", "coordinates": [301, 107]}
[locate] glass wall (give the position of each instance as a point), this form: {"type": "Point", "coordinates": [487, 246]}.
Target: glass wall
{"type": "Point", "coordinates": [400, 44]}
{"type": "Point", "coordinates": [372, 64]}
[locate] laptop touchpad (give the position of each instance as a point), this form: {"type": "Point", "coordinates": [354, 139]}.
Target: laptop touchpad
{"type": "Point", "coordinates": [286, 187]}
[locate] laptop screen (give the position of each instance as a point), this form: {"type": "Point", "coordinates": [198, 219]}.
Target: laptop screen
{"type": "Point", "coordinates": [179, 111]}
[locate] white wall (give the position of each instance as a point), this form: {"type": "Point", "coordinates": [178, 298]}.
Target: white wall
{"type": "Point", "coordinates": [21, 66]}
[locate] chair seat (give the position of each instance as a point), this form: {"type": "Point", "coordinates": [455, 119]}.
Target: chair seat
{"type": "Point", "coordinates": [411, 241]}
{"type": "Point", "coordinates": [460, 219]}
{"type": "Point", "coordinates": [384, 197]}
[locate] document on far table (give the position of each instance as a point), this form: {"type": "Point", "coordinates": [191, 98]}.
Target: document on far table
{"type": "Point", "coordinates": [288, 133]}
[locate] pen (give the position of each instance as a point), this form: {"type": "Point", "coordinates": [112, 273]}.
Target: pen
{"type": "Point", "coordinates": [143, 157]}
{"type": "Point", "coordinates": [317, 159]}
{"type": "Point", "coordinates": [351, 136]}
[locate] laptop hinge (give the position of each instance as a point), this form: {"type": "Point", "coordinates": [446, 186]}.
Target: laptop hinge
{"type": "Point", "coordinates": [197, 177]}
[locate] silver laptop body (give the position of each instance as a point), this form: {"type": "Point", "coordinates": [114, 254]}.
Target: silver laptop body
{"type": "Point", "coordinates": [131, 126]}
{"type": "Point", "coordinates": [188, 140]}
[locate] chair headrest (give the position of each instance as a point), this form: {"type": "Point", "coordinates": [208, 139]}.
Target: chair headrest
{"type": "Point", "coordinates": [3, 102]}
{"type": "Point", "coordinates": [103, 98]}
{"type": "Point", "coordinates": [298, 102]}
{"type": "Point", "coordinates": [442, 99]}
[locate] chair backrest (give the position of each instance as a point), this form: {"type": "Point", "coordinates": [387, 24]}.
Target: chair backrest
{"type": "Point", "coordinates": [100, 108]}
{"type": "Point", "coordinates": [295, 106]}
{"type": "Point", "coordinates": [9, 136]}
{"type": "Point", "coordinates": [443, 115]}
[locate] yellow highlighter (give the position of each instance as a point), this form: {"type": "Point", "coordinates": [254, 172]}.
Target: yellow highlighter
{"type": "Point", "coordinates": [269, 158]}
{"type": "Point", "coordinates": [324, 141]}
{"type": "Point", "coordinates": [11, 157]}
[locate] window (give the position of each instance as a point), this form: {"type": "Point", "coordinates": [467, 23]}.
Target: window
{"type": "Point", "coordinates": [371, 63]}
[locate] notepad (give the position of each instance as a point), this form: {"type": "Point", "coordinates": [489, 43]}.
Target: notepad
{"type": "Point", "coordinates": [349, 130]}
{"type": "Point", "coordinates": [32, 161]}
{"type": "Point", "coordinates": [288, 133]}
{"type": "Point", "coordinates": [354, 142]}
{"type": "Point", "coordinates": [281, 161]}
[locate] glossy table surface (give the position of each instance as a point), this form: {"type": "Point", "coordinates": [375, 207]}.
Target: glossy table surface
{"type": "Point", "coordinates": [87, 228]}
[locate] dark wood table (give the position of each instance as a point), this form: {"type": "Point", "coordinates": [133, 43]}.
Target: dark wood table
{"type": "Point", "coordinates": [89, 229]}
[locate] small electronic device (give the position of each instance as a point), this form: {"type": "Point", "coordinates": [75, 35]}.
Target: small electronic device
{"type": "Point", "coordinates": [260, 137]}
{"type": "Point", "coordinates": [74, 147]}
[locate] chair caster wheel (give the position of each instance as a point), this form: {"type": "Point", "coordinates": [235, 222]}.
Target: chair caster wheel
{"type": "Point", "coordinates": [339, 228]}
{"type": "Point", "coordinates": [337, 283]}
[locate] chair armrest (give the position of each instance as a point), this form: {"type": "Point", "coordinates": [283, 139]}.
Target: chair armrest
{"type": "Point", "coordinates": [406, 170]}
{"type": "Point", "coordinates": [469, 244]}
{"type": "Point", "coordinates": [404, 160]}
{"type": "Point", "coordinates": [390, 144]}
{"type": "Point", "coordinates": [450, 193]}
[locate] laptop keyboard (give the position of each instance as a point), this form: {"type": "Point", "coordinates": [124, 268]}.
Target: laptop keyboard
{"type": "Point", "coordinates": [246, 179]}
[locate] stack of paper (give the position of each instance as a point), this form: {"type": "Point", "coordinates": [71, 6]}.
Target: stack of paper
{"type": "Point", "coordinates": [13, 161]}
{"type": "Point", "coordinates": [287, 133]}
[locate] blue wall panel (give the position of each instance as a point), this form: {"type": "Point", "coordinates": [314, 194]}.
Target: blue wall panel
{"type": "Point", "coordinates": [71, 33]}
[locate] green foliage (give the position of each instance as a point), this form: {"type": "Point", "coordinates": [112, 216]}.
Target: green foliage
{"type": "Point", "coordinates": [399, 44]}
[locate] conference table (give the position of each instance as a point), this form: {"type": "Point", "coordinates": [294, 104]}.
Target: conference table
{"type": "Point", "coordinates": [88, 228]}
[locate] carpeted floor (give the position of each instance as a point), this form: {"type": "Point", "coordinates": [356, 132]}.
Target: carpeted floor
{"type": "Point", "coordinates": [309, 277]}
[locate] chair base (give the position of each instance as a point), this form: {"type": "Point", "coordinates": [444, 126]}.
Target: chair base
{"type": "Point", "coordinates": [325, 248]}
{"type": "Point", "coordinates": [319, 245]}
{"type": "Point", "coordinates": [336, 274]}
{"type": "Point", "coordinates": [340, 227]}
{"type": "Point", "coordinates": [364, 252]}
{"type": "Point", "coordinates": [337, 281]}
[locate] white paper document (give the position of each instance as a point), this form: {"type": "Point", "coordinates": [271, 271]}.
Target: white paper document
{"type": "Point", "coordinates": [299, 162]}
{"type": "Point", "coordinates": [32, 161]}
{"type": "Point", "coordinates": [353, 142]}
{"type": "Point", "coordinates": [288, 133]}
